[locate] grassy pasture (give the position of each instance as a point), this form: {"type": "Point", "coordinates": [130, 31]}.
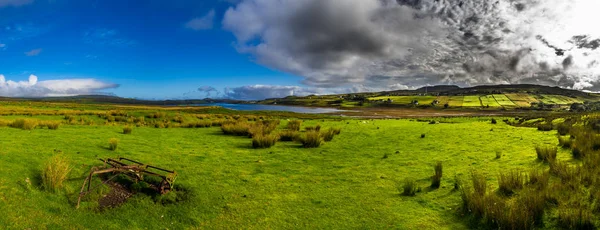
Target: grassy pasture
{"type": "Point", "coordinates": [521, 99]}
{"type": "Point", "coordinates": [456, 101]}
{"type": "Point", "coordinates": [488, 100]}
{"type": "Point", "coordinates": [346, 183]}
{"type": "Point", "coordinates": [443, 100]}
{"type": "Point", "coordinates": [471, 101]}
{"type": "Point", "coordinates": [405, 100]}
{"type": "Point", "coordinates": [503, 100]}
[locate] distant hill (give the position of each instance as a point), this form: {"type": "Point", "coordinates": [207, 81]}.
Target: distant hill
{"type": "Point", "coordinates": [450, 96]}
{"type": "Point", "coordinates": [121, 100]}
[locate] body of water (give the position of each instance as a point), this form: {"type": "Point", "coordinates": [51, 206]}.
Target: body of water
{"type": "Point", "coordinates": [285, 108]}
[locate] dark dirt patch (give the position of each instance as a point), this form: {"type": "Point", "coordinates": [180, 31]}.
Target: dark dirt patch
{"type": "Point", "coordinates": [117, 196]}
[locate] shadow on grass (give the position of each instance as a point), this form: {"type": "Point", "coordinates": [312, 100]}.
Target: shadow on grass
{"type": "Point", "coordinates": [104, 147]}
{"type": "Point", "coordinates": [245, 145]}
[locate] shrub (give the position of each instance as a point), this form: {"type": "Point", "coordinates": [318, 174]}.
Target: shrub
{"type": "Point", "coordinates": [311, 139]}
{"type": "Point", "coordinates": [509, 182]}
{"type": "Point", "coordinates": [55, 172]}
{"type": "Point", "coordinates": [409, 187]}
{"type": "Point", "coordinates": [288, 135]}
{"type": "Point", "coordinates": [262, 141]}
{"type": "Point", "coordinates": [576, 218]}
{"type": "Point", "coordinates": [294, 125]}
{"type": "Point", "coordinates": [113, 143]}
{"type": "Point", "coordinates": [494, 121]}
{"type": "Point", "coordinates": [127, 130]}
{"type": "Point", "coordinates": [546, 153]}
{"type": "Point", "coordinates": [436, 179]}
{"type": "Point", "coordinates": [422, 135]}
{"type": "Point", "coordinates": [26, 124]}
{"type": "Point", "coordinates": [498, 154]}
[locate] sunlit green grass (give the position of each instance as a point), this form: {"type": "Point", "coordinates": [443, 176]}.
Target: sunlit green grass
{"type": "Point", "coordinates": [488, 100]}
{"type": "Point", "coordinates": [346, 183]}
{"type": "Point", "coordinates": [503, 100]}
{"type": "Point", "coordinates": [471, 101]}
{"type": "Point", "coordinates": [423, 100]}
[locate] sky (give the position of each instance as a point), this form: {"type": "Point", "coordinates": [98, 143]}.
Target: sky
{"type": "Point", "coordinates": [255, 49]}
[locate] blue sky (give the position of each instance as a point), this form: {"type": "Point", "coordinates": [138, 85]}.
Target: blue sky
{"type": "Point", "coordinates": [143, 46]}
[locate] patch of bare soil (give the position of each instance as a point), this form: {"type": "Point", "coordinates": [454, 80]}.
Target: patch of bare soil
{"type": "Point", "coordinates": [117, 196]}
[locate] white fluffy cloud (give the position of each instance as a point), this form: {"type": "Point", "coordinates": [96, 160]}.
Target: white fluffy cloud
{"type": "Point", "coordinates": [202, 23]}
{"type": "Point", "coordinates": [414, 43]}
{"type": "Point", "coordinates": [63, 87]}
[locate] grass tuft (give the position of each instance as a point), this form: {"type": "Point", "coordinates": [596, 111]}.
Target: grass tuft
{"type": "Point", "coordinates": [55, 173]}
{"type": "Point", "coordinates": [311, 139]}
{"type": "Point", "coordinates": [262, 141]}
{"type": "Point", "coordinates": [436, 179]}
{"type": "Point", "coordinates": [288, 135]}
{"type": "Point", "coordinates": [565, 142]}
{"type": "Point", "coordinates": [538, 178]}
{"type": "Point", "coordinates": [236, 129]}
{"type": "Point", "coordinates": [328, 135]}
{"type": "Point", "coordinates": [53, 125]}
{"type": "Point", "coordinates": [546, 153]}
{"type": "Point", "coordinates": [479, 183]}
{"type": "Point", "coordinates": [409, 187]}
{"type": "Point", "coordinates": [113, 143]}
{"type": "Point", "coordinates": [578, 218]}
{"type": "Point", "coordinates": [25, 124]}
{"type": "Point", "coordinates": [294, 125]}
{"type": "Point", "coordinates": [510, 182]}
{"type": "Point", "coordinates": [127, 129]}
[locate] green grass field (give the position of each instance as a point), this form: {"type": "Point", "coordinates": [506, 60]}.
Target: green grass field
{"type": "Point", "coordinates": [503, 100]}
{"type": "Point", "coordinates": [456, 101]}
{"type": "Point", "coordinates": [405, 100]}
{"type": "Point", "coordinates": [346, 183]}
{"type": "Point", "coordinates": [471, 101]}
{"type": "Point", "coordinates": [489, 100]}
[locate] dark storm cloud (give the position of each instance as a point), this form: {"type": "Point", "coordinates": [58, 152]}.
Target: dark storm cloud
{"type": "Point", "coordinates": [583, 41]}
{"type": "Point", "coordinates": [382, 43]}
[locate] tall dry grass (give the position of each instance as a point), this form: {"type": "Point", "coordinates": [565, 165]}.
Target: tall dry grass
{"type": "Point", "coordinates": [55, 172]}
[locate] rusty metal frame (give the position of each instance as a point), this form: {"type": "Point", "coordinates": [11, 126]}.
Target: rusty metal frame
{"type": "Point", "coordinates": [134, 170]}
